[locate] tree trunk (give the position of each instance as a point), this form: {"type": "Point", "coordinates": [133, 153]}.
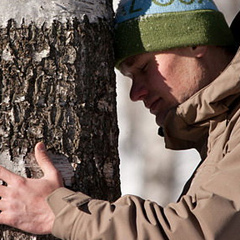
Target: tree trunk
{"type": "Point", "coordinates": [58, 86]}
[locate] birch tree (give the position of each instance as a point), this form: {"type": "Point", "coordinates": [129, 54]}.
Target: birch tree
{"type": "Point", "coordinates": [58, 86]}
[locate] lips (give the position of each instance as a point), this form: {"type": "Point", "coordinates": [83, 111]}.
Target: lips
{"type": "Point", "coordinates": [153, 106]}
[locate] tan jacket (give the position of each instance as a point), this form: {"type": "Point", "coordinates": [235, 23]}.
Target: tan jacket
{"type": "Point", "coordinates": [209, 207]}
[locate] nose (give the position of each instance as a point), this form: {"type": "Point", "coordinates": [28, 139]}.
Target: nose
{"type": "Point", "coordinates": [138, 91]}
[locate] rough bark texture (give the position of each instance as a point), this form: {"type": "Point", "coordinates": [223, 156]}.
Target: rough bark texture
{"type": "Point", "coordinates": [58, 86]}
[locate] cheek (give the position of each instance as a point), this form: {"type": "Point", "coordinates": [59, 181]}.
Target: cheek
{"type": "Point", "coordinates": [179, 86]}
{"type": "Point", "coordinates": [175, 82]}
{"type": "Point", "coordinates": [186, 87]}
{"type": "Point", "coordinates": [162, 75]}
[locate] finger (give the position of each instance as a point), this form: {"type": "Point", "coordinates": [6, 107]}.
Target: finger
{"type": "Point", "coordinates": [7, 176]}
{"type": "Point", "coordinates": [44, 161]}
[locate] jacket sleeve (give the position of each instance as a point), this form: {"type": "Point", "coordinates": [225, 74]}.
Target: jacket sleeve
{"type": "Point", "coordinates": [210, 210]}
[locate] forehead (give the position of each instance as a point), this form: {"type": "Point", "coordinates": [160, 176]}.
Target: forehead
{"type": "Point", "coordinates": [137, 61]}
{"type": "Point", "coordinates": [131, 61]}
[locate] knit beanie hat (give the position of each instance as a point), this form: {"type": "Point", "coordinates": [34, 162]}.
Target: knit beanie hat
{"type": "Point", "coordinates": [157, 25]}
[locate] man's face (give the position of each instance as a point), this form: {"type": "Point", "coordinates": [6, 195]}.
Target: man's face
{"type": "Point", "coordinates": [163, 80]}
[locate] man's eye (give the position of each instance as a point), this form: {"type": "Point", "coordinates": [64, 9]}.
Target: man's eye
{"type": "Point", "coordinates": [143, 67]}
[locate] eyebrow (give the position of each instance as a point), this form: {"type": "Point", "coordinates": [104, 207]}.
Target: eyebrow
{"type": "Point", "coordinates": [129, 63]}
{"type": "Point", "coordinates": [124, 72]}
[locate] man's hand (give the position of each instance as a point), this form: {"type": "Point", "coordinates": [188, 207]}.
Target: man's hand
{"type": "Point", "coordinates": [23, 203]}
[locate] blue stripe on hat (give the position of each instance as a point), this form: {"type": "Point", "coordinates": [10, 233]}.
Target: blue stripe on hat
{"type": "Point", "coordinates": [128, 9]}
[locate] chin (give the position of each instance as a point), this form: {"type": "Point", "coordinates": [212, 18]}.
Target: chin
{"type": "Point", "coordinates": [160, 118]}
{"type": "Point", "coordinates": [159, 121]}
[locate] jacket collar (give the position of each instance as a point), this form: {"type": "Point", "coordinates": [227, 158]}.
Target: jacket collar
{"type": "Point", "coordinates": [187, 126]}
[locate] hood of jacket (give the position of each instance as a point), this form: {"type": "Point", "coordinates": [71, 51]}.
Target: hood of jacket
{"type": "Point", "coordinates": [188, 126]}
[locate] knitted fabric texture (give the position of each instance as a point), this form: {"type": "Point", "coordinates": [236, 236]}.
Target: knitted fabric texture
{"type": "Point", "coordinates": [158, 25]}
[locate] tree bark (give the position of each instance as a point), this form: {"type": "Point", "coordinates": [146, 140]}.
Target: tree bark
{"type": "Point", "coordinates": [58, 86]}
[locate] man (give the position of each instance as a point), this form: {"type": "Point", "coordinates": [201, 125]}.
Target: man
{"type": "Point", "coordinates": [180, 57]}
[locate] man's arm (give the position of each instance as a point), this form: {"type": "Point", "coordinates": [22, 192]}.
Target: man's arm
{"type": "Point", "coordinates": [23, 200]}
{"type": "Point", "coordinates": [210, 210]}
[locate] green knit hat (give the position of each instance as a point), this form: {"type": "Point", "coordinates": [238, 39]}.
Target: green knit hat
{"type": "Point", "coordinates": [157, 25]}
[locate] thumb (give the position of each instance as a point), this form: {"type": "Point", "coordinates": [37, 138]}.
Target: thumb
{"type": "Point", "coordinates": [44, 161]}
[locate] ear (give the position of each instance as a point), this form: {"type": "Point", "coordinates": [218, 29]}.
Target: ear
{"type": "Point", "coordinates": [199, 51]}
